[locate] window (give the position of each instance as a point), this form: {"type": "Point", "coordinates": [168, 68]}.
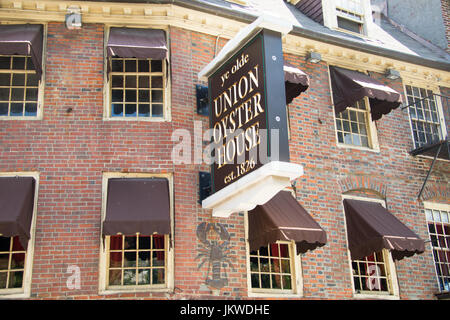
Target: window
{"type": "Point", "coordinates": [12, 263]}
{"type": "Point", "coordinates": [19, 87]}
{"type": "Point", "coordinates": [424, 116]}
{"type": "Point", "coordinates": [19, 191]}
{"type": "Point", "coordinates": [439, 230]}
{"type": "Point", "coordinates": [350, 15]}
{"type": "Point", "coordinates": [371, 275]}
{"type": "Point", "coordinates": [137, 224]}
{"type": "Point", "coordinates": [272, 268]}
{"type": "Point", "coordinates": [137, 88]}
{"type": "Point", "coordinates": [352, 125]}
{"type": "Point", "coordinates": [138, 260]}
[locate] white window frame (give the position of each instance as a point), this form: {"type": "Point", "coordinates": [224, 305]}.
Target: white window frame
{"type": "Point", "coordinates": [441, 207]}
{"type": "Point", "coordinates": [440, 110]}
{"type": "Point", "coordinates": [390, 264]}
{"type": "Point", "coordinates": [103, 263]}
{"type": "Point", "coordinates": [41, 87]}
{"type": "Point", "coordinates": [25, 291]}
{"type": "Point", "coordinates": [372, 134]}
{"type": "Point", "coordinates": [107, 96]}
{"type": "Point", "coordinates": [296, 272]}
{"type": "Point", "coordinates": [330, 15]}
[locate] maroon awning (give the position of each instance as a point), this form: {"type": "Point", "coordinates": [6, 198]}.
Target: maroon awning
{"type": "Point", "coordinates": [371, 228]}
{"type": "Point", "coordinates": [23, 39]}
{"type": "Point", "coordinates": [351, 86]}
{"type": "Point", "coordinates": [137, 43]}
{"type": "Point", "coordinates": [137, 205]}
{"type": "Point", "coordinates": [16, 207]}
{"type": "Point", "coordinates": [283, 218]}
{"type": "Point", "coordinates": [296, 82]}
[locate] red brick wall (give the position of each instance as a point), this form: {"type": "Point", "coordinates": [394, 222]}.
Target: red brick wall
{"type": "Point", "coordinates": [71, 150]}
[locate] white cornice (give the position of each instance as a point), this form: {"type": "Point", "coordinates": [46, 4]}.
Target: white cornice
{"type": "Point", "coordinates": [164, 15]}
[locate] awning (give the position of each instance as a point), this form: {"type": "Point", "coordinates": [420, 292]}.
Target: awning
{"type": "Point", "coordinates": [283, 218]}
{"type": "Point", "coordinates": [16, 207]}
{"type": "Point", "coordinates": [137, 43]}
{"type": "Point", "coordinates": [137, 205]}
{"type": "Point", "coordinates": [23, 39]}
{"type": "Point", "coordinates": [371, 228]}
{"type": "Point", "coordinates": [351, 86]}
{"type": "Point", "coordinates": [296, 82]}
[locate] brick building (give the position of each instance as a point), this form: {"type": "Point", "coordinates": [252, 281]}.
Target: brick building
{"type": "Point", "coordinates": [87, 127]}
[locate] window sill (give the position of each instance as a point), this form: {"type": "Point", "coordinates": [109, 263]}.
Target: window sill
{"type": "Point", "coordinates": [119, 119]}
{"type": "Point", "coordinates": [375, 296]}
{"type": "Point", "coordinates": [7, 118]}
{"type": "Point", "coordinates": [14, 295]}
{"type": "Point", "coordinates": [348, 146]}
{"type": "Point", "coordinates": [135, 290]}
{"type": "Point", "coordinates": [360, 35]}
{"type": "Point", "coordinates": [274, 295]}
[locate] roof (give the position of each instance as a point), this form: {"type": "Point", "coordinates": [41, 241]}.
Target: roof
{"type": "Point", "coordinates": [388, 40]}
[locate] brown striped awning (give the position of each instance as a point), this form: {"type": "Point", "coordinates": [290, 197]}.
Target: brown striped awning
{"type": "Point", "coordinates": [16, 207]}
{"type": "Point", "coordinates": [137, 205]}
{"type": "Point", "coordinates": [351, 86]}
{"type": "Point", "coordinates": [283, 218]}
{"type": "Point", "coordinates": [296, 82]}
{"type": "Point", "coordinates": [371, 228]}
{"type": "Point", "coordinates": [23, 39]}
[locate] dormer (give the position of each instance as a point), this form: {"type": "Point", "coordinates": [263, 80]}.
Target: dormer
{"type": "Point", "coordinates": [352, 16]}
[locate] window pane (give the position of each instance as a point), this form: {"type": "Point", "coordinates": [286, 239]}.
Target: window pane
{"type": "Point", "coordinates": [117, 65]}
{"type": "Point", "coordinates": [3, 109]}
{"type": "Point", "coordinates": [32, 80]}
{"type": "Point", "coordinates": [5, 62]}
{"type": "Point", "coordinates": [4, 261]}
{"type": "Point", "coordinates": [144, 110]}
{"type": "Point", "coordinates": [32, 95]}
{"type": "Point", "coordinates": [129, 277]}
{"type": "Point", "coordinates": [130, 65]}
{"type": "Point", "coordinates": [5, 79]}
{"type": "Point", "coordinates": [18, 79]}
{"type": "Point", "coordinates": [144, 276]}
{"type": "Point", "coordinates": [30, 109]}
{"type": "Point", "coordinates": [157, 110]}
{"type": "Point", "coordinates": [143, 66]}
{"type": "Point", "coordinates": [144, 82]}
{"type": "Point", "coordinates": [130, 110]}
{"type": "Point", "coordinates": [130, 243]}
{"type": "Point", "coordinates": [129, 259]}
{"type": "Point", "coordinates": [130, 82]}
{"type": "Point", "coordinates": [158, 276]}
{"type": "Point", "coordinates": [156, 65]}
{"type": "Point", "coordinates": [157, 96]}
{"type": "Point", "coordinates": [117, 81]}
{"type": "Point", "coordinates": [4, 94]}
{"type": "Point", "coordinates": [17, 94]}
{"type": "Point", "coordinates": [115, 277]}
{"type": "Point", "coordinates": [16, 109]}
{"type": "Point", "coordinates": [117, 110]}
{"type": "Point", "coordinates": [157, 82]}
{"type": "Point", "coordinates": [144, 259]}
{"type": "Point", "coordinates": [3, 278]}
{"type": "Point", "coordinates": [19, 63]}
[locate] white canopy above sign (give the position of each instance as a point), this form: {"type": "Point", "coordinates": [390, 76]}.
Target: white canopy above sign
{"type": "Point", "coordinates": [254, 189]}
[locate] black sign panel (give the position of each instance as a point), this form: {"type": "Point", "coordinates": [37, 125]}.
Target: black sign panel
{"type": "Point", "coordinates": [247, 102]}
